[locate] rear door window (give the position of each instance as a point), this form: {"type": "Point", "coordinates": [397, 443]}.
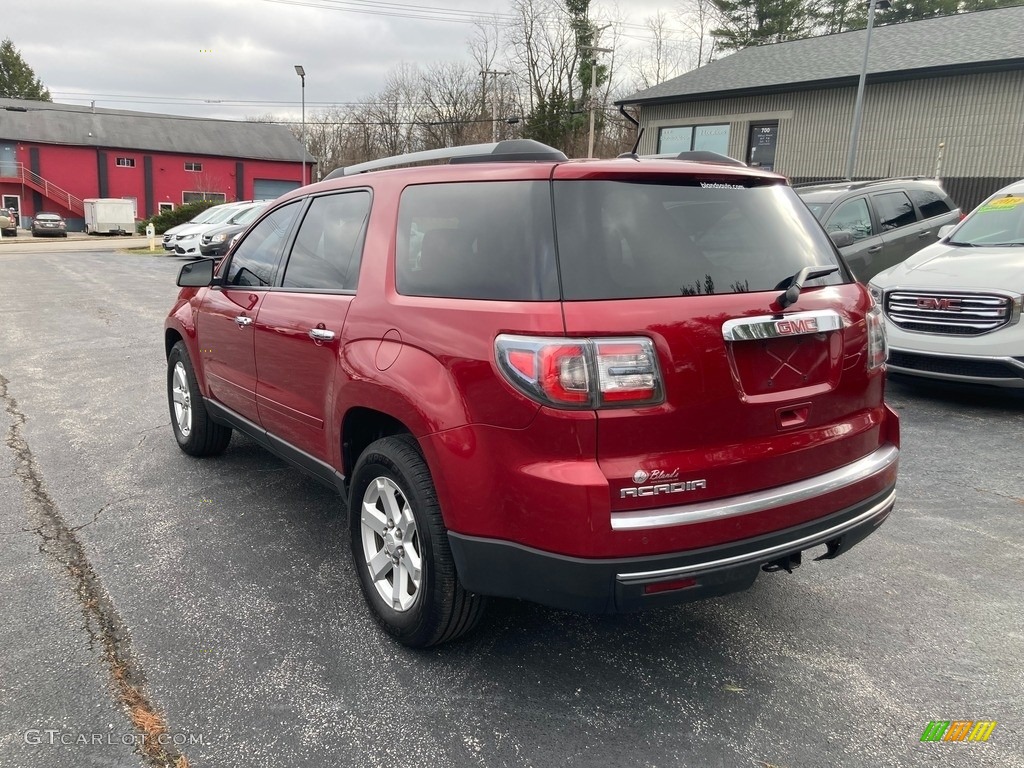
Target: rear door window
{"type": "Point", "coordinates": [328, 245]}
{"type": "Point", "coordinates": [632, 239]}
{"type": "Point", "coordinates": [894, 210]}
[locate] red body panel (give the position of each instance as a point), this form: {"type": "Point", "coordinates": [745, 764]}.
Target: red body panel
{"type": "Point", "coordinates": [295, 373]}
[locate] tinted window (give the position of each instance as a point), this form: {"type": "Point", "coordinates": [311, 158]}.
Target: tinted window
{"type": "Point", "coordinates": [852, 216]}
{"type": "Point", "coordinates": [894, 210]}
{"type": "Point", "coordinates": [929, 202]}
{"type": "Point", "coordinates": [254, 261]}
{"type": "Point", "coordinates": [620, 239]}
{"type": "Point", "coordinates": [329, 242]}
{"type": "Point", "coordinates": [477, 240]}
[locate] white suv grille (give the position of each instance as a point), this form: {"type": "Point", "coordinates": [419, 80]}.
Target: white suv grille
{"type": "Point", "coordinates": [950, 313]}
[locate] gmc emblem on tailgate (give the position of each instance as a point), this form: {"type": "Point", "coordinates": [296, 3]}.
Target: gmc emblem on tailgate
{"type": "Point", "coordinates": [793, 327]}
{"type": "Point", "coordinates": [934, 304]}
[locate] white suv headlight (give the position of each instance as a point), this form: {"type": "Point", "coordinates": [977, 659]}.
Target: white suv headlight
{"type": "Point", "coordinates": [876, 293]}
{"type": "Point", "coordinates": [878, 350]}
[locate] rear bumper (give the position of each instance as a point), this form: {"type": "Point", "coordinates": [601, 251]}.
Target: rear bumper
{"type": "Point", "coordinates": [612, 585]}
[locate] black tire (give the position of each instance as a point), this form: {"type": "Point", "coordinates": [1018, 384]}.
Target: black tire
{"type": "Point", "coordinates": [441, 609]}
{"type": "Point", "coordinates": [204, 436]}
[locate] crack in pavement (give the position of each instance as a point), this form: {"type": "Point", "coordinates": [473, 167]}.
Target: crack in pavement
{"type": "Point", "coordinates": [145, 433]}
{"type": "Point", "coordinates": [103, 623]}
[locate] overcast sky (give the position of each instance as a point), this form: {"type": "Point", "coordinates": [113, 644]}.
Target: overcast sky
{"type": "Point", "coordinates": [233, 58]}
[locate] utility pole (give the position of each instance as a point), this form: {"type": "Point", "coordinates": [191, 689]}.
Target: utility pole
{"type": "Point", "coordinates": [301, 72]}
{"type": "Point", "coordinates": [494, 99]}
{"type": "Point", "coordinates": [593, 87]}
{"type": "Point", "coordinates": [594, 50]}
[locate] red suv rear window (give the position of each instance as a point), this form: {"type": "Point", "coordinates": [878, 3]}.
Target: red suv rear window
{"type": "Point", "coordinates": [626, 239]}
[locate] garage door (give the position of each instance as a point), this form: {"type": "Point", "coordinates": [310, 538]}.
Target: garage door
{"type": "Point", "coordinates": [268, 189]}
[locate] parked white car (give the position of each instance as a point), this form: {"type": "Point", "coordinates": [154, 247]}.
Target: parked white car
{"type": "Point", "coordinates": [200, 218]}
{"type": "Point", "coordinates": [187, 239]}
{"type": "Point", "coordinates": [953, 309]}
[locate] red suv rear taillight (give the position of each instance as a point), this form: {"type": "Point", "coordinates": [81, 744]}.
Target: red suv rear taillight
{"type": "Point", "coordinates": [581, 373]}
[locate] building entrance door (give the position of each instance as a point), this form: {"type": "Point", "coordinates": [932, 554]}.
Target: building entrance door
{"type": "Point", "coordinates": [13, 202]}
{"type": "Point", "coordinates": [761, 148]}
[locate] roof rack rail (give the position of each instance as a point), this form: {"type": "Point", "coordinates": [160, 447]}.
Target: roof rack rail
{"type": "Point", "coordinates": [512, 150]}
{"type": "Point", "coordinates": [860, 184]}
{"type": "Point", "coordinates": [697, 156]}
{"type": "Point", "coordinates": [822, 181]}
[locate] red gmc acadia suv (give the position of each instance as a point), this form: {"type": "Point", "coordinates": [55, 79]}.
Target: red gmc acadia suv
{"type": "Point", "coordinates": [599, 385]}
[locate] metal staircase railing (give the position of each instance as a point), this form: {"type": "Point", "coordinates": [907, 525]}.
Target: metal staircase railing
{"type": "Point", "coordinates": [35, 181]}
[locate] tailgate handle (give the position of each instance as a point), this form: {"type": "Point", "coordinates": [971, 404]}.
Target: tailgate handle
{"type": "Point", "coordinates": [792, 416]}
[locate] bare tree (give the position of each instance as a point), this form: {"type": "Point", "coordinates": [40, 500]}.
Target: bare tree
{"type": "Point", "coordinates": [700, 17]}
{"type": "Point", "coordinates": [663, 59]}
{"type": "Point", "coordinates": [450, 114]}
{"type": "Point", "coordinates": [394, 112]}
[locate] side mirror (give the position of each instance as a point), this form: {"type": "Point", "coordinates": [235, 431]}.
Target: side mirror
{"type": "Point", "coordinates": [841, 238]}
{"type": "Point", "coordinates": [196, 274]}
{"type": "Point", "coordinates": [945, 230]}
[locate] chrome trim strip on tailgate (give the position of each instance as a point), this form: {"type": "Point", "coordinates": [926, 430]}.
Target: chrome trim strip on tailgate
{"type": "Point", "coordinates": [781, 326]}
{"type": "Point", "coordinates": [762, 555]}
{"type": "Point", "coordinates": [662, 517]}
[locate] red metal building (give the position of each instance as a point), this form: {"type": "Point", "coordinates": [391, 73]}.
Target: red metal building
{"type": "Point", "coordinates": [53, 156]}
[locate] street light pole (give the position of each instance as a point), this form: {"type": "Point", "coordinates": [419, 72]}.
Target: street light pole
{"type": "Point", "coordinates": [851, 158]}
{"type": "Point", "coordinates": [593, 86]}
{"type": "Point", "coordinates": [301, 72]}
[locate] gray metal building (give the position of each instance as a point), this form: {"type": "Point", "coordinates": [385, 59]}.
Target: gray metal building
{"type": "Point", "coordinates": [944, 97]}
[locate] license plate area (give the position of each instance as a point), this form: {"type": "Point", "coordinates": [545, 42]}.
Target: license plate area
{"type": "Point", "coordinates": [794, 355]}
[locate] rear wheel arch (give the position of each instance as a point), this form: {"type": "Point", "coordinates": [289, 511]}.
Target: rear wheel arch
{"type": "Point", "coordinates": [361, 427]}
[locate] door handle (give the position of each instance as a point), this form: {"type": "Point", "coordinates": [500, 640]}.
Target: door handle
{"type": "Point", "coordinates": [874, 249]}
{"type": "Point", "coordinates": [321, 334]}
{"type": "Point", "coordinates": [243, 321]}
{"type": "Point", "coordinates": [923, 234]}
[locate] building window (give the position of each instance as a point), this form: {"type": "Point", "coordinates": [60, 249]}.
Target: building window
{"type": "Point", "coordinates": [686, 138]}
{"type": "Point", "coordinates": [161, 207]}
{"type": "Point", "coordinates": [196, 167]}
{"type": "Point", "coordinates": [126, 162]}
{"type": "Point", "coordinates": [191, 197]}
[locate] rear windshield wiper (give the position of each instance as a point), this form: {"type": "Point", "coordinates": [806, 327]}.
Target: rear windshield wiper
{"type": "Point", "coordinates": [796, 283]}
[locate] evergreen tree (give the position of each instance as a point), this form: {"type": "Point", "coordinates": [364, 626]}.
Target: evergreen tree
{"type": "Point", "coordinates": [17, 80]}
{"type": "Point", "coordinates": [758, 22]}
{"type": "Point", "coordinates": [915, 10]}
{"type": "Point", "coordinates": [903, 10]}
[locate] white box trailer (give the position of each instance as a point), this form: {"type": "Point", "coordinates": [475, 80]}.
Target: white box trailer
{"type": "Point", "coordinates": [109, 216]}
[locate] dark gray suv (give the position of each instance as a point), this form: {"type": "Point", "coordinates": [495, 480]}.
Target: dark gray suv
{"type": "Point", "coordinates": [886, 221]}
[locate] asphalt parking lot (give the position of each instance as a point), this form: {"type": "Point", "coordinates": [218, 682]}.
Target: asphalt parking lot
{"type": "Point", "coordinates": [219, 595]}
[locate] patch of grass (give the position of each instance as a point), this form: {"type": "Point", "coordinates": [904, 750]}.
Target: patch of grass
{"type": "Point", "coordinates": [158, 251]}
